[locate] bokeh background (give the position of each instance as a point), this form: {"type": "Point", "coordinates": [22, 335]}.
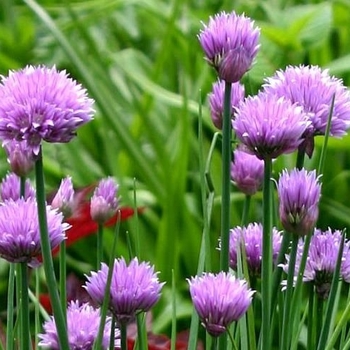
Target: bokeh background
{"type": "Point", "coordinates": [142, 63]}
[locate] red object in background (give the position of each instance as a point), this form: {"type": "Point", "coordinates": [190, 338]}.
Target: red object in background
{"type": "Point", "coordinates": [81, 222]}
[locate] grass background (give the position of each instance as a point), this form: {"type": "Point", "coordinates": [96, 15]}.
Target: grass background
{"type": "Point", "coordinates": [142, 63]}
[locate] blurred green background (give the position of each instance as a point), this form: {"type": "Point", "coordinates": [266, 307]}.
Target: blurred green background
{"type": "Point", "coordinates": [142, 63]}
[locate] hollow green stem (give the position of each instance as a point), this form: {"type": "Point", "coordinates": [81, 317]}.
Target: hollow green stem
{"type": "Point", "coordinates": [226, 180]}
{"type": "Point", "coordinates": [286, 335]}
{"type": "Point", "coordinates": [246, 207]}
{"type": "Point", "coordinates": [123, 336]}
{"type": "Point", "coordinates": [63, 278]}
{"type": "Point", "coordinates": [47, 257]}
{"type": "Point", "coordinates": [10, 308]}
{"type": "Point", "coordinates": [25, 339]}
{"type": "Point", "coordinates": [266, 257]}
{"type": "Point", "coordinates": [99, 245]}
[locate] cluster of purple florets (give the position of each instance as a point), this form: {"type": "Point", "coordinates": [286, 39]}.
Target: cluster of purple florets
{"type": "Point", "coordinates": [43, 104]}
{"type": "Point", "coordinates": [290, 110]}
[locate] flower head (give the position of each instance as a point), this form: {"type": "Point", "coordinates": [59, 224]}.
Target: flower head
{"type": "Point", "coordinates": [313, 89]}
{"type": "Point", "coordinates": [20, 157]}
{"type": "Point", "coordinates": [134, 288]}
{"type": "Point", "coordinates": [322, 259]}
{"type": "Point", "coordinates": [219, 299]}
{"type": "Point", "coordinates": [251, 237]}
{"type": "Point", "coordinates": [230, 43]}
{"type": "Point", "coordinates": [20, 233]}
{"type": "Point", "coordinates": [269, 126]}
{"type": "Point", "coordinates": [216, 100]}
{"type": "Point", "coordinates": [247, 172]}
{"type": "Point", "coordinates": [299, 193]}
{"type": "Point", "coordinates": [10, 188]}
{"type": "Point", "coordinates": [104, 201]}
{"type": "Point", "coordinates": [40, 103]}
{"type": "Point", "coordinates": [64, 198]}
{"type": "Point", "coordinates": [82, 325]}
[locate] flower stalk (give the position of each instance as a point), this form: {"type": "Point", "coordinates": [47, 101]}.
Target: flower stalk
{"type": "Point", "coordinates": [47, 257]}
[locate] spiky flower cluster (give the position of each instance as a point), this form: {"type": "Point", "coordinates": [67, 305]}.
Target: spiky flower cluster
{"type": "Point", "coordinates": [250, 238]}
{"type": "Point", "coordinates": [135, 288]}
{"type": "Point", "coordinates": [10, 188]}
{"type": "Point", "coordinates": [19, 230]}
{"type": "Point", "coordinates": [313, 89]}
{"type": "Point", "coordinates": [216, 101]}
{"type": "Point", "coordinates": [82, 326]}
{"type": "Point", "coordinates": [104, 202]}
{"type": "Point", "coordinates": [40, 103]}
{"type": "Point", "coordinates": [247, 172]}
{"type": "Point", "coordinates": [270, 126]}
{"type": "Point", "coordinates": [322, 258]}
{"type": "Point", "coordinates": [299, 193]}
{"type": "Point", "coordinates": [230, 43]}
{"type": "Point", "coordinates": [219, 299]}
{"type": "Point", "coordinates": [64, 198]}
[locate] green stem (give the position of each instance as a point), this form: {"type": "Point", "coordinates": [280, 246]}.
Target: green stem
{"type": "Point", "coordinates": [99, 245]}
{"type": "Point", "coordinates": [266, 257]}
{"type": "Point", "coordinates": [325, 142]}
{"type": "Point", "coordinates": [47, 257]}
{"type": "Point", "coordinates": [289, 292]}
{"type": "Point", "coordinates": [25, 339]}
{"type": "Point", "coordinates": [226, 179]}
{"type": "Point", "coordinates": [246, 207]}
{"type": "Point", "coordinates": [63, 278]}
{"type": "Point", "coordinates": [10, 308]}
{"type": "Point", "coordinates": [112, 336]}
{"type": "Point", "coordinates": [123, 336]}
{"type": "Point", "coordinates": [311, 341]}
{"type": "Point", "coordinates": [214, 343]}
{"type": "Point", "coordinates": [300, 159]}
{"type": "Point", "coordinates": [340, 327]}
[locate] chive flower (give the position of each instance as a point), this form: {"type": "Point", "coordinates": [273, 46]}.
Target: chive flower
{"type": "Point", "coordinates": [269, 126]}
{"type": "Point", "coordinates": [250, 237]}
{"type": "Point", "coordinates": [64, 198]}
{"type": "Point", "coordinates": [10, 188]}
{"type": "Point", "coordinates": [216, 101]}
{"type": "Point", "coordinates": [230, 43]}
{"type": "Point", "coordinates": [313, 89]}
{"type": "Point", "coordinates": [219, 299]}
{"type": "Point", "coordinates": [104, 202]}
{"type": "Point", "coordinates": [247, 172]}
{"type": "Point", "coordinates": [41, 103]}
{"type": "Point", "coordinates": [135, 288]}
{"type": "Point", "coordinates": [20, 233]}
{"type": "Point", "coordinates": [299, 193]}
{"type": "Point", "coordinates": [20, 157]}
{"type": "Point", "coordinates": [82, 326]}
{"type": "Point", "coordinates": [322, 258]}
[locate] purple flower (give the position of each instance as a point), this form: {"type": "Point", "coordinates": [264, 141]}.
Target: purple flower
{"type": "Point", "coordinates": [64, 198]}
{"type": "Point", "coordinates": [82, 325]}
{"type": "Point", "coordinates": [40, 103]}
{"type": "Point", "coordinates": [135, 288]}
{"type": "Point", "coordinates": [20, 233]}
{"type": "Point", "coordinates": [251, 237]}
{"type": "Point", "coordinates": [322, 259]}
{"type": "Point", "coordinates": [313, 89]}
{"type": "Point", "coordinates": [269, 126]}
{"type": "Point", "coordinates": [10, 188]}
{"type": "Point", "coordinates": [219, 299]}
{"type": "Point", "coordinates": [20, 157]}
{"type": "Point", "coordinates": [216, 101]}
{"type": "Point", "coordinates": [104, 201]}
{"type": "Point", "coordinates": [247, 172]}
{"type": "Point", "coordinates": [299, 194]}
{"type": "Point", "coordinates": [230, 43]}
